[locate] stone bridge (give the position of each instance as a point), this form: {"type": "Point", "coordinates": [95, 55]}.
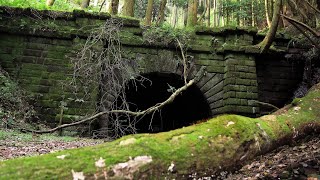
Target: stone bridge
{"type": "Point", "coordinates": [36, 46]}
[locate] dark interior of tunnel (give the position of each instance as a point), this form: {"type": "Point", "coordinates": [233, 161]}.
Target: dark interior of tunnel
{"type": "Point", "coordinates": [186, 109]}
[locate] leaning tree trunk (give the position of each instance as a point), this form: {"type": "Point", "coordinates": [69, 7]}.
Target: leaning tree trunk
{"type": "Point", "coordinates": [161, 12]}
{"type": "Point", "coordinates": [267, 41]}
{"type": "Point", "coordinates": [113, 7]}
{"type": "Point", "coordinates": [50, 2]}
{"type": "Point", "coordinates": [128, 8]}
{"type": "Point", "coordinates": [85, 4]}
{"type": "Point", "coordinates": [149, 13]}
{"type": "Point", "coordinates": [216, 145]}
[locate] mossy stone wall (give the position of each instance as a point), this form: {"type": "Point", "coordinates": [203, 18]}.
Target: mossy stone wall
{"type": "Point", "coordinates": [36, 47]}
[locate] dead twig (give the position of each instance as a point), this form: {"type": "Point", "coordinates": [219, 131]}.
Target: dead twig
{"type": "Point", "coordinates": [138, 113]}
{"type": "Point", "coordinates": [184, 62]}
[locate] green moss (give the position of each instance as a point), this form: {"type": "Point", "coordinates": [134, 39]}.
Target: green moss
{"type": "Point", "coordinates": [190, 148]}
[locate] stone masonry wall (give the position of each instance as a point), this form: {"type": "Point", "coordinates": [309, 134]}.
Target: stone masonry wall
{"type": "Point", "coordinates": [37, 51]}
{"type": "Point", "coordinates": [278, 78]}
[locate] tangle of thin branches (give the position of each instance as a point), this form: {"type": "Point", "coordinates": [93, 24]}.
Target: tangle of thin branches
{"type": "Point", "coordinates": [100, 68]}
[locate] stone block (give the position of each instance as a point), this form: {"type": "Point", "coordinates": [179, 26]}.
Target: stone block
{"type": "Point", "coordinates": [244, 102]}
{"type": "Point", "coordinates": [247, 95]}
{"type": "Point", "coordinates": [232, 75]}
{"type": "Point", "coordinates": [230, 81]}
{"type": "Point", "coordinates": [232, 101]}
{"type": "Point", "coordinates": [241, 68]}
{"type": "Point", "coordinates": [215, 97]}
{"type": "Point", "coordinates": [212, 82]}
{"type": "Point", "coordinates": [216, 104]}
{"type": "Point", "coordinates": [250, 63]}
{"type": "Point", "coordinates": [205, 79]}
{"type": "Point", "coordinates": [228, 68]}
{"type": "Point", "coordinates": [230, 94]}
{"type": "Point", "coordinates": [217, 88]}
{"type": "Point", "coordinates": [244, 75]}
{"type": "Point", "coordinates": [253, 89]}
{"type": "Point", "coordinates": [246, 109]}
{"type": "Point", "coordinates": [232, 61]}
{"type": "Point", "coordinates": [215, 69]}
{"type": "Point", "coordinates": [210, 62]}
{"type": "Point", "coordinates": [252, 70]}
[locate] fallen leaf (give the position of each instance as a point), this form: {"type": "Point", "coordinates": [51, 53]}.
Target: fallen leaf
{"type": "Point", "coordinates": [127, 141]}
{"type": "Point", "coordinates": [297, 108]}
{"type": "Point", "coordinates": [230, 123]}
{"type": "Point", "coordinates": [100, 163]}
{"type": "Point", "coordinates": [171, 167]}
{"type": "Point", "coordinates": [77, 175]}
{"type": "Point", "coordinates": [61, 156]}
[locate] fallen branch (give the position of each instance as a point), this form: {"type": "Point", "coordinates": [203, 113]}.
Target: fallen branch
{"type": "Point", "coordinates": [266, 104]}
{"type": "Point", "coordinates": [138, 113]}
{"type": "Point", "coordinates": [297, 25]}
{"type": "Point", "coordinates": [291, 20]}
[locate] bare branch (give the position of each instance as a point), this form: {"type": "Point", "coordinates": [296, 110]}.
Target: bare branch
{"type": "Point", "coordinates": [297, 25]}
{"type": "Point", "coordinates": [138, 113]}
{"type": "Point", "coordinates": [291, 20]}
{"type": "Point", "coordinates": [184, 62]}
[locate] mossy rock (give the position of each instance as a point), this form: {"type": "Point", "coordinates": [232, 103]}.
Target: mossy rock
{"type": "Point", "coordinates": [221, 142]}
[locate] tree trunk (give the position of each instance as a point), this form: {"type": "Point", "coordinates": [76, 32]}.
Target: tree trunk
{"type": "Point", "coordinates": [219, 144]}
{"type": "Point", "coordinates": [253, 16]}
{"type": "Point", "coordinates": [50, 2]}
{"type": "Point", "coordinates": [192, 13]}
{"type": "Point", "coordinates": [185, 16]}
{"type": "Point", "coordinates": [113, 7]}
{"type": "Point", "coordinates": [85, 4]}
{"type": "Point", "coordinates": [175, 16]}
{"type": "Point", "coordinates": [128, 8]}
{"type": "Point", "coordinates": [208, 12]}
{"type": "Point", "coordinates": [161, 12]}
{"type": "Point", "coordinates": [267, 10]}
{"type": "Point", "coordinates": [267, 41]}
{"type": "Point", "coordinates": [149, 13]}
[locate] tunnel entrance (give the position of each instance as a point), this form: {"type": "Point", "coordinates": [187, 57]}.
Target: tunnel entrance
{"type": "Point", "coordinates": [188, 107]}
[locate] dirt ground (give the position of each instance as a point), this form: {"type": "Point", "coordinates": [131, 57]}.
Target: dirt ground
{"type": "Point", "coordinates": [297, 161]}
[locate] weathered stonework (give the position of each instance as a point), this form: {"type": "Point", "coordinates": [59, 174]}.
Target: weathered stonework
{"type": "Point", "coordinates": [36, 51]}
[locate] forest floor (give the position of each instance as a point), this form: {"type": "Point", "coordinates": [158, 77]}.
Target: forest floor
{"type": "Point", "coordinates": [14, 144]}
{"type": "Point", "coordinates": [300, 160]}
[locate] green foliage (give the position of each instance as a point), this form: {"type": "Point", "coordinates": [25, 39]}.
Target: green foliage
{"type": "Point", "coordinates": [13, 102]}
{"type": "Point", "coordinates": [166, 34]}
{"type": "Point", "coordinates": [61, 5]}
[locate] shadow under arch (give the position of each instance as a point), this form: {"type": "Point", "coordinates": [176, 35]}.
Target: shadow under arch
{"type": "Point", "coordinates": [186, 109]}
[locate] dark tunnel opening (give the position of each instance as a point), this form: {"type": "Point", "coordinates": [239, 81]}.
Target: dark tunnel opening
{"type": "Point", "coordinates": [186, 109]}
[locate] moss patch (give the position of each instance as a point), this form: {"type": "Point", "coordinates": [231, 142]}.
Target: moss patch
{"type": "Point", "coordinates": [220, 142]}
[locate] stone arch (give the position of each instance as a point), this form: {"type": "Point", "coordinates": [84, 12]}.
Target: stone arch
{"type": "Point", "coordinates": [208, 86]}
{"type": "Point", "coordinates": [189, 107]}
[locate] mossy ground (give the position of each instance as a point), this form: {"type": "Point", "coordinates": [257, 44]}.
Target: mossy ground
{"type": "Point", "coordinates": [220, 141]}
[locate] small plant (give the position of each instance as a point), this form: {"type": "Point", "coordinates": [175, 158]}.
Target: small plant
{"type": "Point", "coordinates": [14, 107]}
{"type": "Point", "coordinates": [166, 35]}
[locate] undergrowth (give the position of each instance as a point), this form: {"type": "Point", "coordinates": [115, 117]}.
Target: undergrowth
{"type": "Point", "coordinates": [14, 106]}
{"type": "Point", "coordinates": [61, 5]}
{"type": "Point", "coordinates": [167, 35]}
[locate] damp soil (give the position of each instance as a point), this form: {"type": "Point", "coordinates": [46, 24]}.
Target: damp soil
{"type": "Point", "coordinates": [300, 160]}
